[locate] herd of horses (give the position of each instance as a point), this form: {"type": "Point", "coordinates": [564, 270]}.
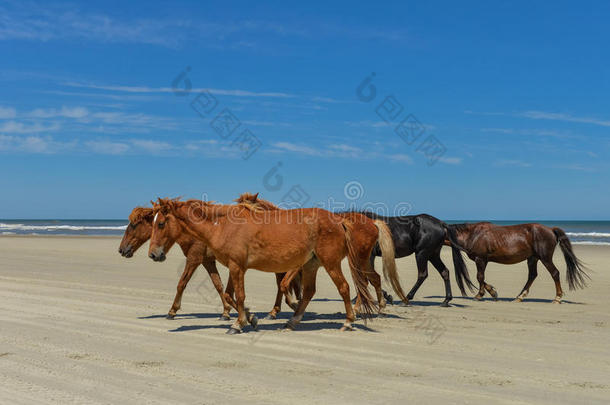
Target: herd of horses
{"type": "Point", "coordinates": [293, 244]}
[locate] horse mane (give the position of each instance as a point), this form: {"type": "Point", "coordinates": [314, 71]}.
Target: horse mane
{"type": "Point", "coordinates": [468, 225]}
{"type": "Point", "coordinates": [253, 203]}
{"type": "Point", "coordinates": [140, 214]}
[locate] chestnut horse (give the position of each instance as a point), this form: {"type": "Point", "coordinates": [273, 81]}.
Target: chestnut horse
{"type": "Point", "coordinates": [485, 242]}
{"type": "Point", "coordinates": [389, 265]}
{"type": "Point", "coordinates": [274, 241]}
{"type": "Point", "coordinates": [139, 231]}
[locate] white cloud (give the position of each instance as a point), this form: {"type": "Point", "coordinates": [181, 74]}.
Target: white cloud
{"type": "Point", "coordinates": [107, 147]}
{"type": "Point", "coordinates": [401, 157]}
{"type": "Point", "coordinates": [7, 113]}
{"type": "Point", "coordinates": [147, 89]}
{"type": "Point", "coordinates": [64, 112]}
{"type": "Point", "coordinates": [450, 160]}
{"type": "Point", "coordinates": [33, 144]}
{"type": "Point", "coordinates": [291, 147]}
{"type": "Point", "coordinates": [14, 127]}
{"type": "Point", "coordinates": [542, 115]}
{"type": "Point", "coordinates": [512, 163]}
{"type": "Point", "coordinates": [152, 147]}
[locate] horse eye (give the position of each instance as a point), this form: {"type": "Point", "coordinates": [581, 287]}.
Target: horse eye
{"type": "Point", "coordinates": [133, 226]}
{"type": "Point", "coordinates": [161, 225]}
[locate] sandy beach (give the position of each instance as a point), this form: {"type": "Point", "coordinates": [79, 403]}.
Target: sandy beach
{"type": "Point", "coordinates": [80, 324]}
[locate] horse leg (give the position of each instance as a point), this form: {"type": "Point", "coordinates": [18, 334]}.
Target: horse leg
{"type": "Point", "coordinates": [210, 266]}
{"type": "Point", "coordinates": [277, 306]}
{"type": "Point", "coordinates": [550, 266]}
{"type": "Point", "coordinates": [308, 274]}
{"type": "Point", "coordinates": [296, 286]}
{"type": "Point", "coordinates": [375, 279]}
{"type": "Point", "coordinates": [422, 273]}
{"type": "Point", "coordinates": [444, 272]}
{"type": "Point", "coordinates": [189, 269]}
{"type": "Point", "coordinates": [244, 316]}
{"type": "Point", "coordinates": [335, 273]}
{"type": "Point", "coordinates": [229, 291]}
{"type": "Point", "coordinates": [287, 283]}
{"type": "Point", "coordinates": [532, 267]}
{"type": "Point", "coordinates": [481, 265]}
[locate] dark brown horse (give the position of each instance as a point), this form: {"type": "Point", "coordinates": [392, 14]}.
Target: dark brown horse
{"type": "Point", "coordinates": [485, 242]}
{"type": "Point", "coordinates": [139, 232]}
{"type": "Point", "coordinates": [274, 241]}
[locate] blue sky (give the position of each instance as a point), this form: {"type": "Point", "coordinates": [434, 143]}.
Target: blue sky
{"type": "Point", "coordinates": [95, 117]}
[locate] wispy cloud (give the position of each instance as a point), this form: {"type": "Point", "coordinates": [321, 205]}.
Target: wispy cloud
{"type": "Point", "coordinates": [576, 167]}
{"type": "Point", "coordinates": [341, 150]}
{"type": "Point", "coordinates": [65, 112]}
{"type": "Point", "coordinates": [511, 163]}
{"type": "Point", "coordinates": [542, 115]}
{"type": "Point", "coordinates": [14, 127]}
{"type": "Point", "coordinates": [43, 21]}
{"type": "Point", "coordinates": [545, 115]}
{"type": "Point", "coordinates": [107, 147]}
{"type": "Point", "coordinates": [33, 144]}
{"type": "Point", "coordinates": [450, 160]}
{"type": "Point", "coordinates": [7, 113]}
{"type": "Point", "coordinates": [401, 157]}
{"type": "Point", "coordinates": [147, 89]}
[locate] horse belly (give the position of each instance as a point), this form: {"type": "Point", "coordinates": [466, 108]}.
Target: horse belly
{"type": "Point", "coordinates": [279, 262]}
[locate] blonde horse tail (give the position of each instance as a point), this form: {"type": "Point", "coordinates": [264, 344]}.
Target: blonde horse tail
{"type": "Point", "coordinates": [368, 306]}
{"type": "Point", "coordinates": [386, 244]}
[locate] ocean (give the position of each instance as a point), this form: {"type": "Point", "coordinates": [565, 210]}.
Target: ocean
{"type": "Point", "coordinates": [580, 232]}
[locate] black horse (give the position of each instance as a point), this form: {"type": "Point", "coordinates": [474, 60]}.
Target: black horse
{"type": "Point", "coordinates": [424, 235]}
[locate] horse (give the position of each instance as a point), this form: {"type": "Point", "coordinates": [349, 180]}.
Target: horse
{"type": "Point", "coordinates": [389, 265]}
{"type": "Point", "coordinates": [275, 241]}
{"type": "Point", "coordinates": [139, 231]}
{"type": "Point", "coordinates": [485, 242]}
{"type": "Point", "coordinates": [424, 235]}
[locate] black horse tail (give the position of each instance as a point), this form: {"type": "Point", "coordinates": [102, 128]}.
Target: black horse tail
{"type": "Point", "coordinates": [576, 274]}
{"type": "Point", "coordinates": [461, 271]}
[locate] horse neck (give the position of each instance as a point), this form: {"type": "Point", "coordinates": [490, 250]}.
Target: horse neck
{"type": "Point", "coordinates": [204, 228]}
{"type": "Point", "coordinates": [464, 232]}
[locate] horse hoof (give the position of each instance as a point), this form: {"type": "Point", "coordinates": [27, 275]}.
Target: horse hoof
{"type": "Point", "coordinates": [388, 298]}
{"type": "Point", "coordinates": [224, 317]}
{"type": "Point", "coordinates": [478, 297]}
{"type": "Point", "coordinates": [271, 317]}
{"type": "Point", "coordinates": [556, 301]}
{"type": "Point", "coordinates": [346, 328]}
{"type": "Point", "coordinates": [445, 304]}
{"type": "Point", "coordinates": [518, 299]}
{"type": "Point", "coordinates": [170, 316]}
{"type": "Point", "coordinates": [233, 331]}
{"type": "Point", "coordinates": [289, 326]}
{"type": "Point", "coordinates": [254, 322]}
{"type": "Point", "coordinates": [406, 303]}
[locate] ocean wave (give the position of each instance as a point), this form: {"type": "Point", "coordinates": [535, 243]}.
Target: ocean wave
{"type": "Point", "coordinates": [51, 228]}
{"type": "Point", "coordinates": [589, 234]}
{"type": "Point", "coordinates": [584, 242]}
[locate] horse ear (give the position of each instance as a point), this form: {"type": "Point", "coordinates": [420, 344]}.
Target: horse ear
{"type": "Point", "coordinates": [256, 196]}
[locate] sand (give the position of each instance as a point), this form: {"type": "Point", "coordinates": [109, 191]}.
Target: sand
{"type": "Point", "coordinates": [80, 324]}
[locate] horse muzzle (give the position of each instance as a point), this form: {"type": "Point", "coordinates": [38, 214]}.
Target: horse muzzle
{"type": "Point", "coordinates": [158, 256]}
